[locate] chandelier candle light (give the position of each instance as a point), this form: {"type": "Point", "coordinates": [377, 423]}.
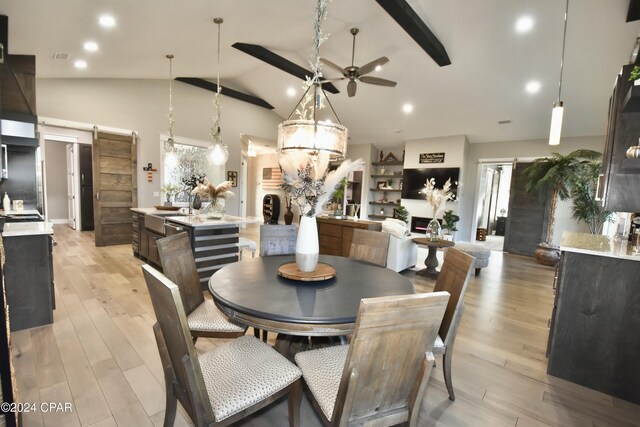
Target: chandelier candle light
{"type": "Point", "coordinates": [304, 129]}
{"type": "Point", "coordinates": [558, 106]}
{"type": "Point", "coordinates": [217, 152]}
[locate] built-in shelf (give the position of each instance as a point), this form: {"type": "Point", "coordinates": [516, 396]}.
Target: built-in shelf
{"type": "Point", "coordinates": [390, 204]}
{"type": "Point", "coordinates": [387, 176]}
{"type": "Point", "coordinates": [385, 189]}
{"type": "Point", "coordinates": [378, 216]}
{"type": "Point", "coordinates": [388, 163]}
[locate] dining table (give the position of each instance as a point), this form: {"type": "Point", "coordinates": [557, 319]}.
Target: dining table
{"type": "Point", "coordinates": [252, 292]}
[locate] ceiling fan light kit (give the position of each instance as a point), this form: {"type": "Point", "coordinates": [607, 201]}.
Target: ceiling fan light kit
{"type": "Point", "coordinates": [305, 129]}
{"type": "Point", "coordinates": [354, 72]}
{"type": "Point", "coordinates": [218, 151]}
{"type": "Point", "coordinates": [558, 107]}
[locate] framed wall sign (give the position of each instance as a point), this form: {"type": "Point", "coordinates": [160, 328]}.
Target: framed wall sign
{"type": "Point", "coordinates": [431, 157]}
{"type": "Point", "coordinates": [233, 177]}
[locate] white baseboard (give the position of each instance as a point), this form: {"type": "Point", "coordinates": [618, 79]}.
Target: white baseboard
{"type": "Point", "coordinates": [59, 221]}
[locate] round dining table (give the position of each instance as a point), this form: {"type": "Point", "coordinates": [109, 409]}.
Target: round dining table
{"type": "Point", "coordinates": [251, 292]}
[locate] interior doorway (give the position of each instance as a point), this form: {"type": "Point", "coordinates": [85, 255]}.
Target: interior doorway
{"type": "Point", "coordinates": [493, 204]}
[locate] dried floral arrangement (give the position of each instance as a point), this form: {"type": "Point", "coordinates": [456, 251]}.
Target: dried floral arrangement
{"type": "Point", "coordinates": [436, 197]}
{"type": "Point", "coordinates": [307, 182]}
{"type": "Point", "coordinates": [208, 191]}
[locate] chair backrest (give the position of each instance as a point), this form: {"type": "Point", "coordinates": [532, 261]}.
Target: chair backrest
{"type": "Point", "coordinates": [453, 278]}
{"type": "Point", "coordinates": [278, 239]}
{"type": "Point", "coordinates": [179, 266]}
{"type": "Point", "coordinates": [176, 346]}
{"type": "Point", "coordinates": [370, 246]}
{"type": "Point", "coordinates": [387, 354]}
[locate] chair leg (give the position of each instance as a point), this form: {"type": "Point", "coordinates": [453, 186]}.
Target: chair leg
{"type": "Point", "coordinates": [446, 368]}
{"type": "Point", "coordinates": [256, 333]}
{"type": "Point", "coordinates": [265, 335]}
{"type": "Point", "coordinates": [170, 407]}
{"type": "Point", "coordinates": [477, 271]}
{"type": "Point", "coordinates": [295, 399]}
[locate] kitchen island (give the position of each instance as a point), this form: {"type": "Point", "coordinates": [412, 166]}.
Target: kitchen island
{"type": "Point", "coordinates": [28, 273]}
{"type": "Point", "coordinates": [593, 339]}
{"type": "Point", "coordinates": [214, 242]}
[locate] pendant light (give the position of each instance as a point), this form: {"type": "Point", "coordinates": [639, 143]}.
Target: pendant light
{"type": "Point", "coordinates": [217, 152]}
{"type": "Point", "coordinates": [170, 152]}
{"type": "Point", "coordinates": [311, 127]}
{"type": "Point", "coordinates": [558, 106]}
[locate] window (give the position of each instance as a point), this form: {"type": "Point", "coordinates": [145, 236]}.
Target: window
{"type": "Point", "coordinates": [190, 159]}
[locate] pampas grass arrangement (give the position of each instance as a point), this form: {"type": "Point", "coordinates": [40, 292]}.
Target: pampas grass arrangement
{"type": "Point", "coordinates": [207, 191]}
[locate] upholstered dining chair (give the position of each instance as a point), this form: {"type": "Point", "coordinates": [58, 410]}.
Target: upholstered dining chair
{"type": "Point", "coordinates": [278, 239]}
{"type": "Point", "coordinates": [381, 376]}
{"type": "Point", "coordinates": [453, 278]}
{"type": "Point", "coordinates": [225, 384]}
{"type": "Point", "coordinates": [370, 246]}
{"type": "Point", "coordinates": [203, 317]}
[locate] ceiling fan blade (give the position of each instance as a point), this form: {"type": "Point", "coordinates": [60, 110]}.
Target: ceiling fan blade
{"type": "Point", "coordinates": [377, 81]}
{"type": "Point", "coordinates": [367, 68]}
{"type": "Point", "coordinates": [351, 88]}
{"type": "Point", "coordinates": [337, 79]}
{"type": "Point", "coordinates": [334, 66]}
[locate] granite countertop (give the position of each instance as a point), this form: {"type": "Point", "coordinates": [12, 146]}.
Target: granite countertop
{"type": "Point", "coordinates": [197, 221]}
{"type": "Point", "coordinates": [27, 228]}
{"type": "Point", "coordinates": [592, 244]}
{"type": "Point", "coordinates": [154, 211]}
{"type": "Point", "coordinates": [19, 212]}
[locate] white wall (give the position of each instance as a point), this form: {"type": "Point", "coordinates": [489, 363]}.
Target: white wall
{"type": "Point", "coordinates": [142, 105]}
{"type": "Point", "coordinates": [519, 149]}
{"type": "Point", "coordinates": [454, 148]}
{"type": "Point", "coordinates": [56, 175]}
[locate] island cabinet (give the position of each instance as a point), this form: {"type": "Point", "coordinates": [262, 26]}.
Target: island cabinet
{"type": "Point", "coordinates": [335, 235]}
{"type": "Point", "coordinates": [593, 339]}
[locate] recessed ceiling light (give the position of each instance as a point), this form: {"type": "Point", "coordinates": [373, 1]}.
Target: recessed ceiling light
{"type": "Point", "coordinates": [291, 92]}
{"type": "Point", "coordinates": [90, 46]}
{"type": "Point", "coordinates": [524, 24]}
{"type": "Point", "coordinates": [378, 67]}
{"type": "Point", "coordinates": [407, 108]}
{"type": "Point", "coordinates": [533, 87]}
{"type": "Point", "coordinates": [80, 64]}
{"type": "Point", "coordinates": [107, 21]}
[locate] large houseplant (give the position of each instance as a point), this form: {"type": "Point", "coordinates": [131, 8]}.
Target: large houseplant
{"type": "Point", "coordinates": [585, 207]}
{"type": "Point", "coordinates": [550, 178]}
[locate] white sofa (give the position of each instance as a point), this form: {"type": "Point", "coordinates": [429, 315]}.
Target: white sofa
{"type": "Point", "coordinates": [403, 253]}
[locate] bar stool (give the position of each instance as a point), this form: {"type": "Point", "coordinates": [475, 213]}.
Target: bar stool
{"type": "Point", "coordinates": [248, 244]}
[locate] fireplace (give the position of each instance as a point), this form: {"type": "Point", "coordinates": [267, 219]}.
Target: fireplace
{"type": "Point", "coordinates": [419, 224]}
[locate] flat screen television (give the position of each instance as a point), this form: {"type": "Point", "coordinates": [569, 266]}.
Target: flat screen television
{"type": "Point", "coordinates": [413, 180]}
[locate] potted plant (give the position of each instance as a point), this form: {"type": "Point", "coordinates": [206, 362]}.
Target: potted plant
{"type": "Point", "coordinates": [169, 191]}
{"type": "Point", "coordinates": [338, 196]}
{"type": "Point", "coordinates": [449, 225]}
{"type": "Point", "coordinates": [401, 213]}
{"type": "Point", "coordinates": [585, 207]}
{"type": "Point", "coordinates": [550, 178]}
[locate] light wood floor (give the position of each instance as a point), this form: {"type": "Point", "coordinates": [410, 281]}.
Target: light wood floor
{"type": "Point", "coordinates": [100, 353]}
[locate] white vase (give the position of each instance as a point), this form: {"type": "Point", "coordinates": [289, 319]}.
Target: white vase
{"type": "Point", "coordinates": [307, 248]}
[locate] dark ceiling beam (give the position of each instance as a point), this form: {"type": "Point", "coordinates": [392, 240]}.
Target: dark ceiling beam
{"type": "Point", "coordinates": [206, 84]}
{"type": "Point", "coordinates": [409, 20]}
{"type": "Point", "coordinates": [279, 62]}
{"type": "Point", "coordinates": [634, 10]}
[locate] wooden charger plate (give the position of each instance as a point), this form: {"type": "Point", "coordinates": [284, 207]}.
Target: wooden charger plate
{"type": "Point", "coordinates": [323, 272]}
{"type": "Point", "coordinates": [167, 208]}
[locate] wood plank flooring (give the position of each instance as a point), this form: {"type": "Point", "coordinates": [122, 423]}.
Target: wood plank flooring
{"type": "Point", "coordinates": [101, 356]}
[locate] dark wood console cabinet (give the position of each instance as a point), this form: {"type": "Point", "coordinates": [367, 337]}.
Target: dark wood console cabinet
{"type": "Point", "coordinates": [335, 235]}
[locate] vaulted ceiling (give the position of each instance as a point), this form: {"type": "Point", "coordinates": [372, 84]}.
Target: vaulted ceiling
{"type": "Point", "coordinates": [491, 63]}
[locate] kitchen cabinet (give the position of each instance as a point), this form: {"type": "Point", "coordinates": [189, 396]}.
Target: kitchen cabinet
{"type": "Point", "coordinates": [621, 175]}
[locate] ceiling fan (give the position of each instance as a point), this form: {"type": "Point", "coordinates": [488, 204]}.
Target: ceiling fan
{"type": "Point", "coordinates": [354, 72]}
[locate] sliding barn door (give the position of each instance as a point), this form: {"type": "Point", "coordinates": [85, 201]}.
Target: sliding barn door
{"type": "Point", "coordinates": [114, 187]}
{"type": "Point", "coordinates": [528, 217]}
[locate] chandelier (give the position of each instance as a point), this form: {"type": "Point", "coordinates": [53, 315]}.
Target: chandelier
{"type": "Point", "coordinates": [170, 152]}
{"type": "Point", "coordinates": [311, 126]}
{"type": "Point", "coordinates": [217, 152]}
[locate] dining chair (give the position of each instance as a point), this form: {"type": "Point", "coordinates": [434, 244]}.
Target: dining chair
{"type": "Point", "coordinates": [225, 384]}
{"type": "Point", "coordinates": [203, 317]}
{"type": "Point", "coordinates": [370, 246]}
{"type": "Point", "coordinates": [453, 278]}
{"type": "Point", "coordinates": [381, 376]}
{"type": "Point", "coordinates": [278, 239]}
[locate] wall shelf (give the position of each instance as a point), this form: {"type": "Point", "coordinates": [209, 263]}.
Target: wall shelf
{"type": "Point", "coordinates": [387, 176]}
{"type": "Point", "coordinates": [385, 189]}
{"type": "Point", "coordinates": [388, 163]}
{"type": "Point", "coordinates": [390, 204]}
{"type": "Point", "coordinates": [378, 216]}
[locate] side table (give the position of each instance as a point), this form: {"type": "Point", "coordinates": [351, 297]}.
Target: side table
{"type": "Point", "coordinates": [431, 262]}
